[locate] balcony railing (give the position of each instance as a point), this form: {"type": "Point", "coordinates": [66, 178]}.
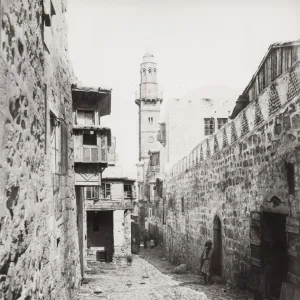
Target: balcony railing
{"type": "Point", "coordinates": [155, 94]}
{"type": "Point", "coordinates": [91, 154]}
{"type": "Point", "coordinates": [108, 204]}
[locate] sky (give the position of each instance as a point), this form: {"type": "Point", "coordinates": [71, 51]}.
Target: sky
{"type": "Point", "coordinates": [196, 43]}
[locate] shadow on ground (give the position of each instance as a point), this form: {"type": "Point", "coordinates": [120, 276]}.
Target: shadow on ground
{"type": "Point", "coordinates": [156, 257]}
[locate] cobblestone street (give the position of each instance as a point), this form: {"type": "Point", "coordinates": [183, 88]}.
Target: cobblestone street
{"type": "Point", "coordinates": [149, 277]}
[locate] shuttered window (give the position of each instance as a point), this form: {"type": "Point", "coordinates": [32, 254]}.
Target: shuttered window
{"type": "Point", "coordinates": [92, 192]}
{"type": "Point", "coordinates": [106, 190]}
{"type": "Point", "coordinates": [85, 117]}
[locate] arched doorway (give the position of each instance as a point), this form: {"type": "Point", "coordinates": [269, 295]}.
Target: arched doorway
{"type": "Point", "coordinates": [217, 244]}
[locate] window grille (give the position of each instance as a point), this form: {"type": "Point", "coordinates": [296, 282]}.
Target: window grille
{"type": "Point", "coordinates": [209, 126]}
{"type": "Point", "coordinates": [162, 134]}
{"type": "Point", "coordinates": [221, 122]}
{"type": "Point", "coordinates": [103, 148]}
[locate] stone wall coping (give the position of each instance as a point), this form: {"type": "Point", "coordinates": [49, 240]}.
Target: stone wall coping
{"type": "Point", "coordinates": [255, 115]}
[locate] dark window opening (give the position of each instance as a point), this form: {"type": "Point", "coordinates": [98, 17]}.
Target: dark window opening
{"type": "Point", "coordinates": [291, 177]}
{"type": "Point", "coordinates": [90, 139]}
{"type": "Point", "coordinates": [106, 190]}
{"type": "Point", "coordinates": [154, 159]}
{"type": "Point", "coordinates": [209, 126]}
{"type": "Point", "coordinates": [274, 252]}
{"type": "Point", "coordinates": [95, 224]}
{"type": "Point", "coordinates": [182, 204]}
{"type": "Point", "coordinates": [127, 191]}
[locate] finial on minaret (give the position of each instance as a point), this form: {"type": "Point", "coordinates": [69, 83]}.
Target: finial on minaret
{"type": "Point", "coordinates": [148, 52]}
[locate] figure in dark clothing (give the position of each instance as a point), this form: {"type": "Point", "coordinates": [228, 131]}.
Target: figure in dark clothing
{"type": "Point", "coordinates": [206, 262]}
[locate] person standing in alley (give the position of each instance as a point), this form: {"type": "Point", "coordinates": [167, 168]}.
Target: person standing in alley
{"type": "Point", "coordinates": [205, 266]}
{"type": "Point", "coordinates": [145, 238]}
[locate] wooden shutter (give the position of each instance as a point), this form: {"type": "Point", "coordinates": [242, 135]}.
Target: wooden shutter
{"type": "Point", "coordinates": [80, 117]}
{"type": "Point", "coordinates": [89, 118]}
{"type": "Point", "coordinates": [88, 192]}
{"type": "Point", "coordinates": [273, 65]}
{"type": "Point", "coordinates": [255, 240]}
{"type": "Point", "coordinates": [64, 148]}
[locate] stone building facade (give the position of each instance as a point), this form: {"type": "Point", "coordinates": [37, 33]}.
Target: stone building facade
{"type": "Point", "coordinates": [39, 250]}
{"type": "Point", "coordinates": [240, 187]}
{"type": "Point", "coordinates": [107, 220]}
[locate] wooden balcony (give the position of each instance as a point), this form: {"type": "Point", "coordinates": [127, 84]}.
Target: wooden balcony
{"type": "Point", "coordinates": [90, 154]}
{"type": "Point", "coordinates": [104, 204]}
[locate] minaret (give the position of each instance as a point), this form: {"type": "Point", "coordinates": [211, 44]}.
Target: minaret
{"type": "Point", "coordinates": [148, 100]}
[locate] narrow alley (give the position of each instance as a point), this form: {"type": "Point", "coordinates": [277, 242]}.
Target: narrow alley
{"type": "Point", "coordinates": [149, 150]}
{"type": "Point", "coordinates": [149, 277]}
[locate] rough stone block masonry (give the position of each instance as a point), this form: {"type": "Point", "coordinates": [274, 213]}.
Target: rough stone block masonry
{"type": "Point", "coordinates": [39, 256]}
{"type": "Point", "coordinates": [249, 168]}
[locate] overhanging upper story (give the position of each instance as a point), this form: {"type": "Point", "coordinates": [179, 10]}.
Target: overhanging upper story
{"type": "Point", "coordinates": [114, 193]}
{"type": "Point", "coordinates": [90, 104]}
{"type": "Point", "coordinates": [92, 141]}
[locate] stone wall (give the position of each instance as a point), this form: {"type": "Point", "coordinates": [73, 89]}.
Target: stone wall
{"type": "Point", "coordinates": [39, 255]}
{"type": "Point", "coordinates": [122, 233]}
{"type": "Point", "coordinates": [235, 171]}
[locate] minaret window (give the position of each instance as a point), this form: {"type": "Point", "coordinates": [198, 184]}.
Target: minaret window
{"type": "Point", "coordinates": [149, 71]}
{"type": "Point", "coordinates": [150, 120]}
